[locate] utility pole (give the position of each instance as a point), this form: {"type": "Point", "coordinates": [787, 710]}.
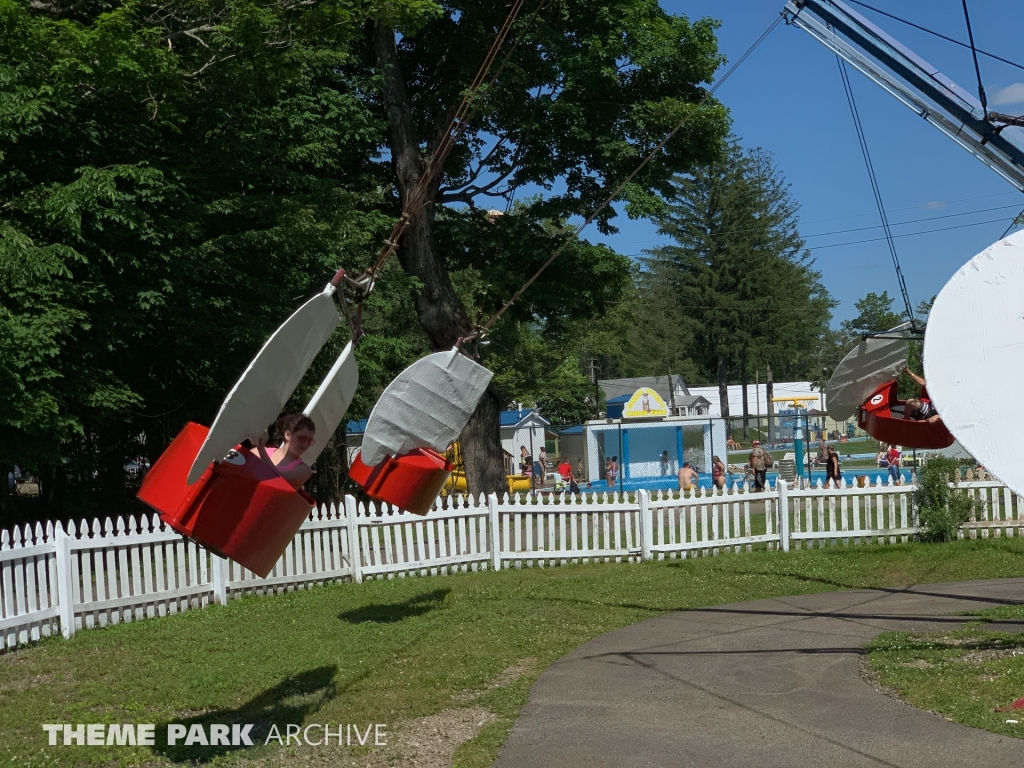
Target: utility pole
{"type": "Point", "coordinates": [746, 402]}
{"type": "Point", "coordinates": [597, 388]}
{"type": "Point", "coordinates": [757, 396]}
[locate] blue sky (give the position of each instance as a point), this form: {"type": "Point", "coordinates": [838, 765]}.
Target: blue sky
{"type": "Point", "coordinates": [788, 99]}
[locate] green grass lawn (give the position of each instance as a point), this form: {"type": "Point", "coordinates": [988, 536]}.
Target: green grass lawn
{"type": "Point", "coordinates": [392, 651]}
{"type": "Point", "coordinates": [964, 675]}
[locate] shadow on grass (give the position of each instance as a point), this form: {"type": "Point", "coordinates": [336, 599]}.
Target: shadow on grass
{"type": "Point", "coordinates": [388, 613]}
{"type": "Point", "coordinates": [290, 701]}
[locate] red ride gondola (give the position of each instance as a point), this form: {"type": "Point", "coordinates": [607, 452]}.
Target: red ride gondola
{"type": "Point", "coordinates": [420, 413]}
{"type": "Point", "coordinates": [881, 416]}
{"type": "Point", "coordinates": [209, 488]}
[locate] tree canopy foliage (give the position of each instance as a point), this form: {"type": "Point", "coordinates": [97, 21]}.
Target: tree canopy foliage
{"type": "Point", "coordinates": [738, 288]}
{"type": "Point", "coordinates": [591, 89]}
{"type": "Point", "coordinates": [178, 177]}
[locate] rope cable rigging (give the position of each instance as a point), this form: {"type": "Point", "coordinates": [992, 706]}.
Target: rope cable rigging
{"type": "Point", "coordinates": [977, 68]}
{"type": "Point", "coordinates": [936, 34]}
{"type": "Point", "coordinates": [844, 75]}
{"type": "Point", "coordinates": [434, 165]}
{"type": "Point", "coordinates": [482, 330]}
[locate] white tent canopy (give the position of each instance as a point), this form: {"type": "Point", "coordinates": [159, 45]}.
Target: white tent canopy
{"type": "Point", "coordinates": [328, 406]}
{"type": "Point", "coordinates": [263, 389]}
{"type": "Point", "coordinates": [427, 406]}
{"type": "Point", "coordinates": [974, 356]}
{"type": "Point", "coordinates": [871, 364]}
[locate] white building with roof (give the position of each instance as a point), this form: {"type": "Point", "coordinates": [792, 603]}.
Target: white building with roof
{"type": "Point", "coordinates": [757, 397]}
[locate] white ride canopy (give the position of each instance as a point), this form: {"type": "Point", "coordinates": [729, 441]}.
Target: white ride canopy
{"type": "Point", "coordinates": [974, 356]}
{"type": "Point", "coordinates": [871, 364]}
{"type": "Point", "coordinates": [427, 406]}
{"type": "Point", "coordinates": [265, 386]}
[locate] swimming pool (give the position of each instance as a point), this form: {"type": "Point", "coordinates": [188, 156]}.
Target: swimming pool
{"type": "Point", "coordinates": [672, 484]}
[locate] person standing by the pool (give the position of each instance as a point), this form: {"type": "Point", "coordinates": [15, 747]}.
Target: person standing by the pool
{"type": "Point", "coordinates": [833, 475]}
{"type": "Point", "coordinates": [718, 473]}
{"type": "Point", "coordinates": [894, 455]}
{"type": "Point", "coordinates": [759, 461]}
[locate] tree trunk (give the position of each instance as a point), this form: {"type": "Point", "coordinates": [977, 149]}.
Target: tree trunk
{"type": "Point", "coordinates": [6, 500]}
{"type": "Point", "coordinates": [438, 307]}
{"type": "Point", "coordinates": [746, 401]}
{"type": "Point", "coordinates": [331, 468]}
{"type": "Point", "coordinates": [769, 393]}
{"type": "Point", "coordinates": [723, 392]}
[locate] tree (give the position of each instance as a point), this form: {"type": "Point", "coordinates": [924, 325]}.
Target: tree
{"type": "Point", "coordinates": [590, 90]}
{"type": "Point", "coordinates": [939, 505]}
{"type": "Point", "coordinates": [536, 351]}
{"type": "Point", "coordinates": [740, 269]}
{"type": "Point", "coordinates": [176, 180]}
{"type": "Point", "coordinates": [875, 315]}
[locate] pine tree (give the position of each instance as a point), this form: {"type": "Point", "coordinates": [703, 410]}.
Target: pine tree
{"type": "Point", "coordinates": [740, 270]}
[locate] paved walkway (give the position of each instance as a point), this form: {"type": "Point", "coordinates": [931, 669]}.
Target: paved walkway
{"type": "Point", "coordinates": [760, 684]}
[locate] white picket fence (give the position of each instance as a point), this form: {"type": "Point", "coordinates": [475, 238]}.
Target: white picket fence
{"type": "Point", "coordinates": [56, 580]}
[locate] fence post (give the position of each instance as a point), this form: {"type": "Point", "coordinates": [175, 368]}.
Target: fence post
{"type": "Point", "coordinates": [492, 517]}
{"type": "Point", "coordinates": [646, 529]}
{"type": "Point", "coordinates": [783, 489]}
{"type": "Point", "coordinates": [219, 565]}
{"type": "Point", "coordinates": [355, 557]}
{"type": "Point", "coordinates": [65, 591]}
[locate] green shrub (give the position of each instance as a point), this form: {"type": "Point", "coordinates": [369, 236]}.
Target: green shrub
{"type": "Point", "coordinates": [941, 507]}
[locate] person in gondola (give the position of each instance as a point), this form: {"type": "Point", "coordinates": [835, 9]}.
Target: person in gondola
{"type": "Point", "coordinates": [917, 408]}
{"type": "Point", "coordinates": [299, 433]}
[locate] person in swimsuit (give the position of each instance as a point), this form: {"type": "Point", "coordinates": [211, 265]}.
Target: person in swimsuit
{"type": "Point", "coordinates": [687, 477]}
{"type": "Point", "coordinates": [833, 474]}
{"type": "Point", "coordinates": [917, 408]}
{"type": "Point", "coordinates": [718, 472]}
{"type": "Point", "coordinates": [298, 431]}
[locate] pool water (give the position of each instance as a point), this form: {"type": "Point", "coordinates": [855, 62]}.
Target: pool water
{"type": "Point", "coordinates": [671, 483]}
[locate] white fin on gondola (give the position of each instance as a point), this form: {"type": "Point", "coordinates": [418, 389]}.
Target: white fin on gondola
{"type": "Point", "coordinates": [974, 355]}
{"type": "Point", "coordinates": [328, 406]}
{"type": "Point", "coordinates": [427, 406]}
{"type": "Point", "coordinates": [263, 389]}
{"type": "Point", "coordinates": [873, 362]}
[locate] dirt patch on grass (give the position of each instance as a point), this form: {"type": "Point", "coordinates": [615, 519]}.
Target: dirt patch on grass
{"type": "Point", "coordinates": [26, 683]}
{"type": "Point", "coordinates": [977, 658]}
{"type": "Point", "coordinates": [917, 664]}
{"type": "Point", "coordinates": [426, 742]}
{"type": "Point", "coordinates": [504, 678]}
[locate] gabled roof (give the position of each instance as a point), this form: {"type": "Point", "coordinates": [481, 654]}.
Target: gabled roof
{"type": "Point", "coordinates": [516, 418]}
{"type": "Point", "coordinates": [663, 385]}
{"type": "Point", "coordinates": [691, 401]}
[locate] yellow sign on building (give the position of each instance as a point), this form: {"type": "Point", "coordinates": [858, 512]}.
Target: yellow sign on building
{"type": "Point", "coordinates": [644, 404]}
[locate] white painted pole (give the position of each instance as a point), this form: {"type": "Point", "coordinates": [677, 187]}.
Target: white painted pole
{"type": "Point", "coordinates": [355, 557]}
{"type": "Point", "coordinates": [65, 593]}
{"type": "Point", "coordinates": [220, 579]}
{"type": "Point", "coordinates": [646, 528]}
{"type": "Point", "coordinates": [783, 489]}
{"type": "Point", "coordinates": [492, 517]}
